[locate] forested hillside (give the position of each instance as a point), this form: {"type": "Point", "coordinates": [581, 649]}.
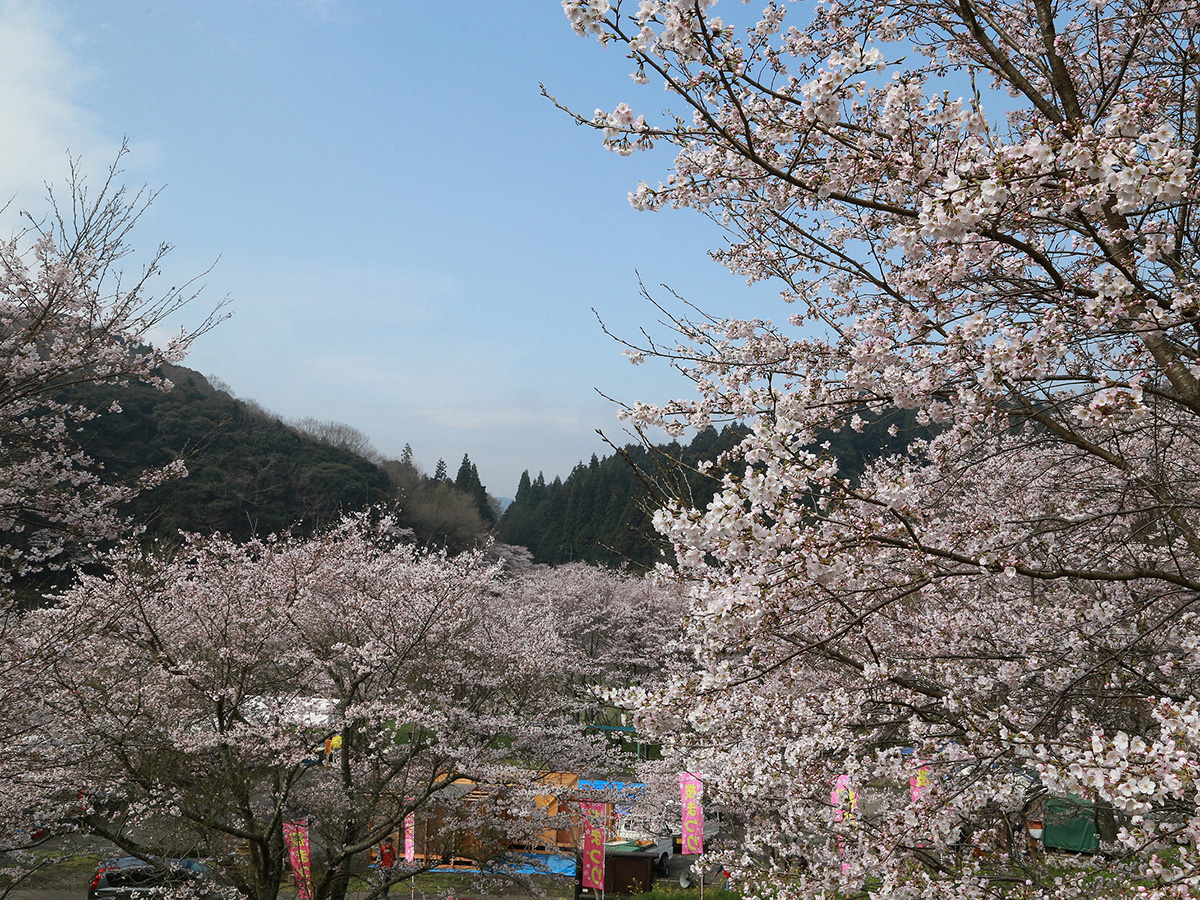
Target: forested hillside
{"type": "Point", "coordinates": [601, 512]}
{"type": "Point", "coordinates": [248, 472]}
{"type": "Point", "coordinates": [252, 473]}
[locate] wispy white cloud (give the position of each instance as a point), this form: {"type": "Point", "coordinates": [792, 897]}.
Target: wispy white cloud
{"type": "Point", "coordinates": [41, 120]}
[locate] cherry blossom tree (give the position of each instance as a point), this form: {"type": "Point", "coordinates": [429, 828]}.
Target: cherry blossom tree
{"type": "Point", "coordinates": [618, 628]}
{"type": "Point", "coordinates": [68, 317]}
{"type": "Point", "coordinates": [981, 210]}
{"type": "Point", "coordinates": [189, 700]}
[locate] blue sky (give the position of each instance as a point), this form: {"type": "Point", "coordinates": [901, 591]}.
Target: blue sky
{"type": "Point", "coordinates": [411, 238]}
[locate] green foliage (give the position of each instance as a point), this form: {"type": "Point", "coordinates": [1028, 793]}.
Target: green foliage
{"type": "Point", "coordinates": [248, 473]}
{"type": "Point", "coordinates": [668, 891]}
{"type": "Point", "coordinates": [439, 514]}
{"type": "Point", "coordinates": [468, 482]}
{"type": "Point", "coordinates": [602, 512]}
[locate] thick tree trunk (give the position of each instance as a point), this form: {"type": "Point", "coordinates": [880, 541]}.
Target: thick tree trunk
{"type": "Point", "coordinates": [266, 863]}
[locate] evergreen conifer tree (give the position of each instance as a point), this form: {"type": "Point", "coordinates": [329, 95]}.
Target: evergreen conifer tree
{"type": "Point", "coordinates": [463, 480]}
{"type": "Point", "coordinates": [482, 501]}
{"type": "Point", "coordinates": [523, 488]}
{"type": "Point", "coordinates": [469, 483]}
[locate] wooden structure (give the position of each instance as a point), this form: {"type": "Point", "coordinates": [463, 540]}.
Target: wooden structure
{"type": "Point", "coordinates": [625, 874]}
{"type": "Point", "coordinates": [437, 841]}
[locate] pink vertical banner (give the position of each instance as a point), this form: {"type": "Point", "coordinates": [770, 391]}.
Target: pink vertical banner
{"type": "Point", "coordinates": [844, 801]}
{"type": "Point", "coordinates": [295, 836]}
{"type": "Point", "coordinates": [593, 844]}
{"type": "Point", "coordinates": [692, 839]}
{"type": "Point", "coordinates": [410, 836]}
{"type": "Point", "coordinates": [917, 783]}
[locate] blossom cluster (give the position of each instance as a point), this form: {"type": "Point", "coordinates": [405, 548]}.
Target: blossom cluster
{"type": "Point", "coordinates": [66, 320]}
{"type": "Point", "coordinates": [984, 216]}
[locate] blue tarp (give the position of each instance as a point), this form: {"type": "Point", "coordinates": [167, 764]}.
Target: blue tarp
{"type": "Point", "coordinates": [529, 864]}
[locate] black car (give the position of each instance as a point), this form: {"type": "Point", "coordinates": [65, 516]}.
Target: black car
{"type": "Point", "coordinates": [131, 878]}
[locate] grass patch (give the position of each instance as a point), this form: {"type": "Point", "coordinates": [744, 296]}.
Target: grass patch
{"type": "Point", "coordinates": [54, 870]}
{"type": "Point", "coordinates": [467, 886]}
{"type": "Point", "coordinates": [668, 891]}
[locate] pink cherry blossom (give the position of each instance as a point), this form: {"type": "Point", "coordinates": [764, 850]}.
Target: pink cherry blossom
{"type": "Point", "coordinates": [982, 214]}
{"type": "Point", "coordinates": [198, 696]}
{"type": "Point", "coordinates": [68, 318]}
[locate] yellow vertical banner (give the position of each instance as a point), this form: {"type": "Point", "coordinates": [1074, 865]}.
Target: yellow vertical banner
{"type": "Point", "coordinates": [918, 783]}
{"type": "Point", "coordinates": [844, 800]}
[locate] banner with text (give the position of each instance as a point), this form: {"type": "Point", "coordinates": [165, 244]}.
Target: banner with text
{"type": "Point", "coordinates": [844, 800]}
{"type": "Point", "coordinates": [918, 783]}
{"type": "Point", "coordinates": [692, 839]}
{"type": "Point", "coordinates": [593, 843]}
{"type": "Point", "coordinates": [410, 834]}
{"type": "Point", "coordinates": [295, 835]}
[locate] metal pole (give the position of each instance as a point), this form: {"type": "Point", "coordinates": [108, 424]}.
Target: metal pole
{"type": "Point", "coordinates": [701, 866]}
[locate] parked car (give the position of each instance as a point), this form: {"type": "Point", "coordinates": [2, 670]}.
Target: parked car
{"type": "Point", "coordinates": [132, 878]}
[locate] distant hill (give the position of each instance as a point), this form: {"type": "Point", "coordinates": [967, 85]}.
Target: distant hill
{"type": "Point", "coordinates": [248, 472]}
{"type": "Point", "coordinates": [601, 512]}
{"type": "Point", "coordinates": [252, 474]}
